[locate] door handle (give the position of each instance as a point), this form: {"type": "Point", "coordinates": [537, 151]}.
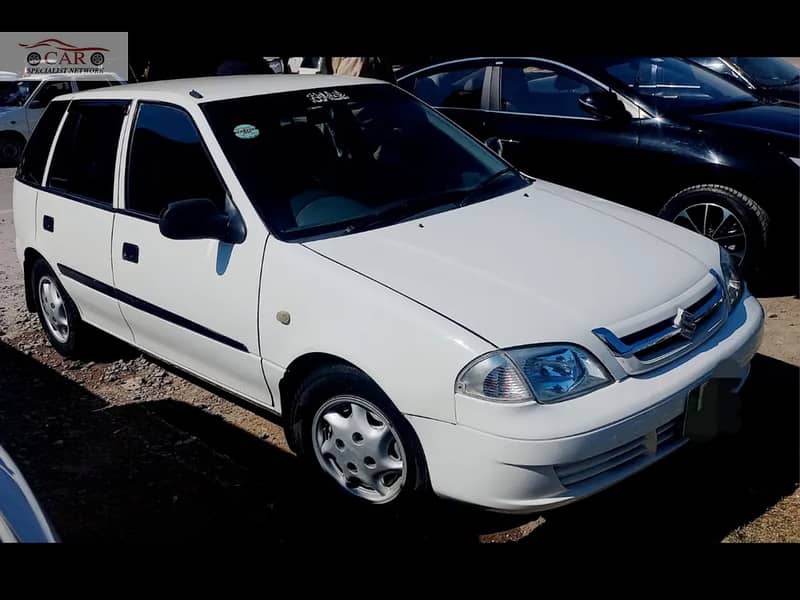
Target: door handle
{"type": "Point", "coordinates": [130, 252]}
{"type": "Point", "coordinates": [48, 223]}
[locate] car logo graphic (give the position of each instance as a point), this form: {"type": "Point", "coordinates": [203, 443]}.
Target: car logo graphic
{"type": "Point", "coordinates": [686, 322]}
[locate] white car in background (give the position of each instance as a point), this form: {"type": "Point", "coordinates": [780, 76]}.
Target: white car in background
{"type": "Point", "coordinates": [422, 315]}
{"type": "Point", "coordinates": [24, 98]}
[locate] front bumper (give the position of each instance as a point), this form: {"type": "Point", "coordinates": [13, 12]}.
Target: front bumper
{"type": "Point", "coordinates": [473, 463]}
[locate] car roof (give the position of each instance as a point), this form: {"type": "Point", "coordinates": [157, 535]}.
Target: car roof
{"type": "Point", "coordinates": [68, 76]}
{"type": "Point", "coordinates": [220, 87]}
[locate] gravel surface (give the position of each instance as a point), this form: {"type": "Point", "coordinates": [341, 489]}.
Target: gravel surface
{"type": "Point", "coordinates": [120, 448]}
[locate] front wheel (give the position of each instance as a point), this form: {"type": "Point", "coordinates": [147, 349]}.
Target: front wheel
{"type": "Point", "coordinates": [730, 218]}
{"type": "Point", "coordinates": [358, 440]}
{"type": "Point", "coordinates": [11, 147]}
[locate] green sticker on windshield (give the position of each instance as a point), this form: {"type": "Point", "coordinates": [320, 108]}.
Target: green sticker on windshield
{"type": "Point", "coordinates": [246, 132]}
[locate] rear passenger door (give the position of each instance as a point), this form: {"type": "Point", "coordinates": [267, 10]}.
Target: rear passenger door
{"type": "Point", "coordinates": [74, 210]}
{"type": "Point", "coordinates": [192, 302]}
{"type": "Point", "coordinates": [460, 90]}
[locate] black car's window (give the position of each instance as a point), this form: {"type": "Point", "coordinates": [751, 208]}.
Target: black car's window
{"type": "Point", "coordinates": [543, 90]}
{"type": "Point", "coordinates": [671, 84]}
{"type": "Point", "coordinates": [460, 88]}
{"type": "Point", "coordinates": [321, 162]}
{"type": "Point", "coordinates": [34, 158]}
{"type": "Point", "coordinates": [168, 162]}
{"type": "Point", "coordinates": [86, 151]}
{"type": "Point", "coordinates": [50, 90]}
{"type": "Point", "coordinates": [91, 85]}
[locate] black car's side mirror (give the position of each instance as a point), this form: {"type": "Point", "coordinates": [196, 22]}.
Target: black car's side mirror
{"type": "Point", "coordinates": [199, 218]}
{"type": "Point", "coordinates": [604, 105]}
{"type": "Point", "coordinates": [494, 144]}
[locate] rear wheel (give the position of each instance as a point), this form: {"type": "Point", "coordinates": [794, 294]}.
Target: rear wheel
{"type": "Point", "coordinates": [57, 312]}
{"type": "Point", "coordinates": [730, 218]}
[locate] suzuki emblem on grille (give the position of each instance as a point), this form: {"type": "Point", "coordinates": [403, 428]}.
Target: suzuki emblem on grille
{"type": "Point", "coordinates": [686, 322]}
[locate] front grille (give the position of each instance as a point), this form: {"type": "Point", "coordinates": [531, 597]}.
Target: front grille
{"type": "Point", "coordinates": [622, 458]}
{"type": "Point", "coordinates": [666, 340]}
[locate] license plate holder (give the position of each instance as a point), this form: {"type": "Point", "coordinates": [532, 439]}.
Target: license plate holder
{"type": "Point", "coordinates": [711, 408]}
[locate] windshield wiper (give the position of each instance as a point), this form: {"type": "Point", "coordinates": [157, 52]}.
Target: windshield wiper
{"type": "Point", "coordinates": [470, 195]}
{"type": "Point", "coordinates": [403, 210]}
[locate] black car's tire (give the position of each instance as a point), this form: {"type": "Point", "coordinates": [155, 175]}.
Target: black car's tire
{"type": "Point", "coordinates": [740, 213]}
{"type": "Point", "coordinates": [60, 319]}
{"type": "Point", "coordinates": [328, 390]}
{"type": "Point", "coordinates": [11, 147]}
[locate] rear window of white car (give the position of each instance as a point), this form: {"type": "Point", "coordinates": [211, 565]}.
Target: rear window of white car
{"type": "Point", "coordinates": [85, 155]}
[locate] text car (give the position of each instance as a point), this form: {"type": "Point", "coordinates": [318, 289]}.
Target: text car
{"type": "Point", "coordinates": [421, 314]}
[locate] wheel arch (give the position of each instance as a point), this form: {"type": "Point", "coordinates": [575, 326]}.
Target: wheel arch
{"type": "Point", "coordinates": [30, 257]}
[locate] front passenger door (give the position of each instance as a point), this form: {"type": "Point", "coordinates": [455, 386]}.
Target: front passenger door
{"type": "Point", "coordinates": [547, 134]}
{"type": "Point", "coordinates": [459, 90]}
{"type": "Point", "coordinates": [192, 302]}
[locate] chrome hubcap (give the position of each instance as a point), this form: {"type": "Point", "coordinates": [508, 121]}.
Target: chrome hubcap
{"type": "Point", "coordinates": [357, 445]}
{"type": "Point", "coordinates": [53, 309]}
{"type": "Point", "coordinates": [718, 223]}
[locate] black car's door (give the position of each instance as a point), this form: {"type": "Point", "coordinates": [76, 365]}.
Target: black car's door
{"type": "Point", "coordinates": [459, 89]}
{"type": "Point", "coordinates": [544, 131]}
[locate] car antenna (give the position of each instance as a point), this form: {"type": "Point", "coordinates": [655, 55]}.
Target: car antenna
{"type": "Point", "coordinates": [195, 94]}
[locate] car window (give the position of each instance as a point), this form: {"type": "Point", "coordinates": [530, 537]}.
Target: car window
{"type": "Point", "coordinates": [52, 89]}
{"type": "Point", "coordinates": [319, 162]}
{"type": "Point", "coordinates": [543, 90]}
{"type": "Point", "coordinates": [715, 64]}
{"type": "Point", "coordinates": [34, 158]}
{"type": "Point", "coordinates": [168, 162]}
{"type": "Point", "coordinates": [671, 84]}
{"type": "Point", "coordinates": [460, 88]}
{"type": "Point", "coordinates": [86, 150]}
{"type": "Point", "coordinates": [769, 72]}
{"type": "Point", "coordinates": [90, 85]}
{"type": "Point", "coordinates": [15, 93]}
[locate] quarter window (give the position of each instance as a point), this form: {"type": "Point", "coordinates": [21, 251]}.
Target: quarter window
{"type": "Point", "coordinates": [168, 162]}
{"type": "Point", "coordinates": [86, 151]}
{"type": "Point", "coordinates": [450, 89]}
{"type": "Point", "coordinates": [34, 159]}
{"type": "Point", "coordinates": [542, 90]}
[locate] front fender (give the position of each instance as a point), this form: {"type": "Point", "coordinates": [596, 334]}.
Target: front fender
{"type": "Point", "coordinates": [411, 352]}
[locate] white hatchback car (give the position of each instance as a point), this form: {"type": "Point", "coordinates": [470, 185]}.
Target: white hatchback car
{"type": "Point", "coordinates": [421, 314]}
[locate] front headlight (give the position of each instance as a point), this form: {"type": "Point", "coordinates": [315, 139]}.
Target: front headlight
{"type": "Point", "coordinates": [548, 373]}
{"type": "Point", "coordinates": [730, 275]}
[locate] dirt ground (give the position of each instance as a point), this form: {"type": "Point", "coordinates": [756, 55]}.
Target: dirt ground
{"type": "Point", "coordinates": [122, 449]}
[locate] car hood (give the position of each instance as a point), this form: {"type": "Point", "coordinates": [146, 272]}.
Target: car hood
{"type": "Point", "coordinates": [540, 264]}
{"type": "Point", "coordinates": [779, 120]}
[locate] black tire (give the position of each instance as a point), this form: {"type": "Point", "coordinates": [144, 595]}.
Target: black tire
{"type": "Point", "coordinates": [74, 344]}
{"type": "Point", "coordinates": [752, 217]}
{"type": "Point", "coordinates": [11, 147]}
{"type": "Point", "coordinates": [338, 379]}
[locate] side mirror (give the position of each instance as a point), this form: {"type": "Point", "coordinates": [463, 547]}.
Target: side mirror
{"type": "Point", "coordinates": [604, 105]}
{"type": "Point", "coordinates": [197, 219]}
{"type": "Point", "coordinates": [36, 103]}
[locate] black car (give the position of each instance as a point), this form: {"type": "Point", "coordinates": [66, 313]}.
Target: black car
{"type": "Point", "coordinates": [659, 134]}
{"type": "Point", "coordinates": [767, 77]}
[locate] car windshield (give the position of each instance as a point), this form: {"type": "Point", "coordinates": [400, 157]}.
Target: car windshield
{"type": "Point", "coordinates": [15, 93]}
{"type": "Point", "coordinates": [674, 85]}
{"type": "Point", "coordinates": [768, 72]}
{"type": "Point", "coordinates": [338, 160]}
